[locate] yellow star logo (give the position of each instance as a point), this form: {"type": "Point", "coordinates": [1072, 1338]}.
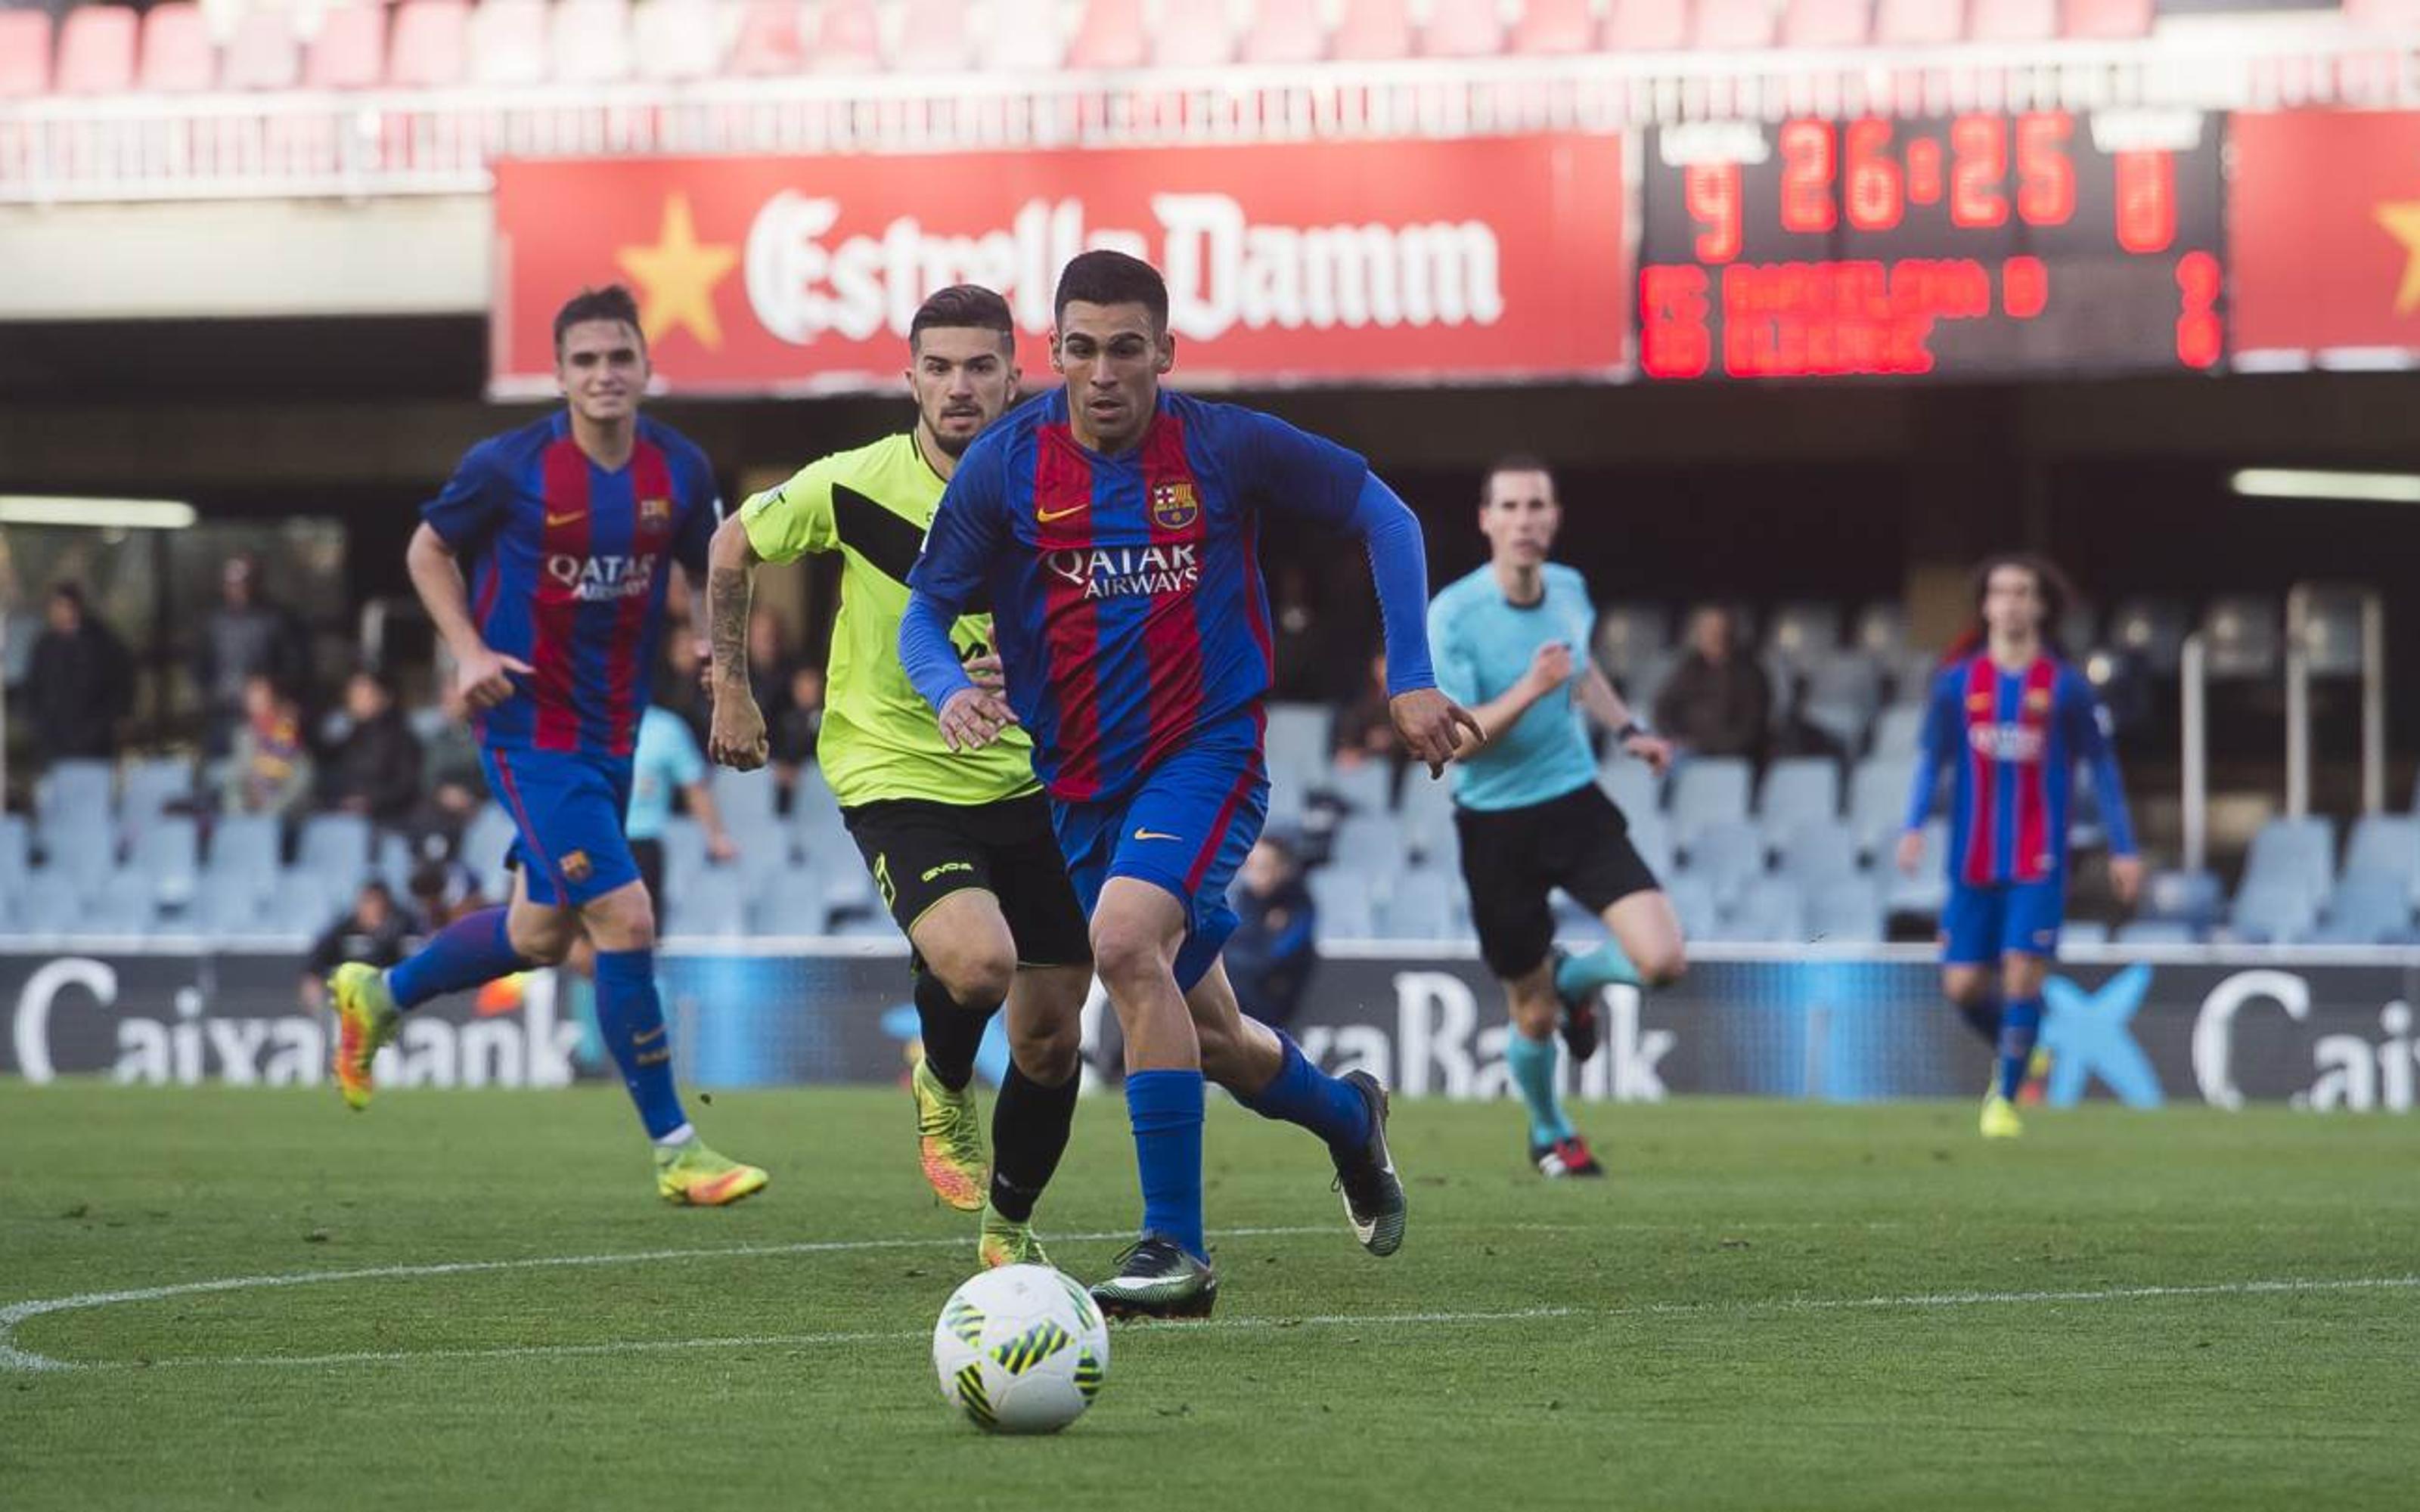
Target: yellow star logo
{"type": "Point", "coordinates": [2401, 219]}
{"type": "Point", "coordinates": [677, 278]}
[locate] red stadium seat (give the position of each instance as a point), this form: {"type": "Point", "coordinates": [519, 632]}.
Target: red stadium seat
{"type": "Point", "coordinates": [1826, 23]}
{"type": "Point", "coordinates": [1373, 31]}
{"type": "Point", "coordinates": [592, 41]}
{"type": "Point", "coordinates": [1920, 23]}
{"type": "Point", "coordinates": [96, 50]}
{"type": "Point", "coordinates": [1025, 37]}
{"type": "Point", "coordinates": [935, 37]}
{"type": "Point", "coordinates": [350, 52]}
{"type": "Point", "coordinates": [2104, 21]}
{"type": "Point", "coordinates": [771, 42]}
{"type": "Point", "coordinates": [1463, 28]}
{"type": "Point", "coordinates": [676, 39]}
{"type": "Point", "coordinates": [264, 52]}
{"type": "Point", "coordinates": [1647, 26]}
{"type": "Point", "coordinates": [1110, 36]}
{"type": "Point", "coordinates": [1284, 31]}
{"type": "Point", "coordinates": [1193, 37]}
{"type": "Point", "coordinates": [1555, 28]}
{"type": "Point", "coordinates": [24, 54]}
{"type": "Point", "coordinates": [2013, 21]}
{"type": "Point", "coordinates": [1734, 24]}
{"type": "Point", "coordinates": [432, 44]}
{"type": "Point", "coordinates": [508, 44]}
{"type": "Point", "coordinates": [179, 57]}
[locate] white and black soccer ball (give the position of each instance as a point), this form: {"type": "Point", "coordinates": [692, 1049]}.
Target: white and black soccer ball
{"type": "Point", "coordinates": [1021, 1350]}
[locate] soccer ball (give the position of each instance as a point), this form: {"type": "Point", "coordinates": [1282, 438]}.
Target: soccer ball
{"type": "Point", "coordinates": [1021, 1350]}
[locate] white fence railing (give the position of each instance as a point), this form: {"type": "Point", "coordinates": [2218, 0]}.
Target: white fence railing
{"type": "Point", "coordinates": [218, 146]}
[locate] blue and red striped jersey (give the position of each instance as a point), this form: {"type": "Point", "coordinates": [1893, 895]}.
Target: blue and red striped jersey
{"type": "Point", "coordinates": [567, 563]}
{"type": "Point", "coordinates": [1126, 591]}
{"type": "Point", "coordinates": [2014, 738]}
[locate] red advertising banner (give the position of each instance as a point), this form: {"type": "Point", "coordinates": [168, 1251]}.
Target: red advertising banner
{"type": "Point", "coordinates": [1363, 262]}
{"type": "Point", "coordinates": [2323, 221]}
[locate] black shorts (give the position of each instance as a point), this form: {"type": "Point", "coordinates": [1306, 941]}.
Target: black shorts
{"type": "Point", "coordinates": [922, 852]}
{"type": "Point", "coordinates": [1514, 859]}
{"type": "Point", "coordinates": [649, 854]}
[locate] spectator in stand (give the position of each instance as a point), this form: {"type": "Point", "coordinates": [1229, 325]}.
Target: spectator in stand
{"type": "Point", "coordinates": [666, 758]}
{"type": "Point", "coordinates": [443, 892]}
{"type": "Point", "coordinates": [79, 684]}
{"type": "Point", "coordinates": [375, 769]}
{"type": "Point", "coordinates": [372, 930]}
{"type": "Point", "coordinates": [270, 771]}
{"type": "Point", "coordinates": [1365, 728]}
{"type": "Point", "coordinates": [1717, 701]}
{"type": "Point", "coordinates": [453, 784]}
{"type": "Point", "coordinates": [1271, 956]}
{"type": "Point", "coordinates": [247, 633]}
{"type": "Point", "coordinates": [795, 734]}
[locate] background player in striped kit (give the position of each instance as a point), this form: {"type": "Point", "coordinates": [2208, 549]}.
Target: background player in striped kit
{"type": "Point", "coordinates": [569, 527]}
{"type": "Point", "coordinates": [2012, 717]}
{"type": "Point", "coordinates": [1114, 529]}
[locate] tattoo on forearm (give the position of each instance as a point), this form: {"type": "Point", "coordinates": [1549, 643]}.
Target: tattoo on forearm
{"type": "Point", "coordinates": [726, 593]}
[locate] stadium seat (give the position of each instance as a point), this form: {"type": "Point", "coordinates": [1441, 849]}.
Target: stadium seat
{"type": "Point", "coordinates": [1555, 28]}
{"type": "Point", "coordinates": [2013, 21]}
{"type": "Point", "coordinates": [169, 859]}
{"type": "Point", "coordinates": [2194, 899]}
{"type": "Point", "coordinates": [1425, 810]}
{"type": "Point", "coordinates": [1193, 37]}
{"type": "Point", "coordinates": [264, 52]}
{"type": "Point", "coordinates": [1798, 789]}
{"type": "Point", "coordinates": [2104, 21]}
{"type": "Point", "coordinates": [1646, 678]}
{"type": "Point", "coordinates": [1420, 905]}
{"type": "Point", "coordinates": [83, 789]}
{"type": "Point", "coordinates": [126, 904]}
{"type": "Point", "coordinates": [16, 861]}
{"type": "Point", "coordinates": [1463, 28]}
{"type": "Point", "coordinates": [1922, 892]}
{"type": "Point", "coordinates": [1112, 33]}
{"type": "Point", "coordinates": [508, 42]}
{"type": "Point", "coordinates": [349, 52]}
{"type": "Point", "coordinates": [1842, 694]}
{"type": "Point", "coordinates": [244, 855]}
{"type": "Point", "coordinates": [2243, 636]}
{"type": "Point", "coordinates": [1708, 790]}
{"type": "Point", "coordinates": [1803, 633]}
{"type": "Point", "coordinates": [2272, 913]}
{"type": "Point", "coordinates": [848, 890]}
{"type": "Point", "coordinates": [1364, 787]}
{"type": "Point", "coordinates": [1878, 800]}
{"type": "Point", "coordinates": [790, 900]}
{"type": "Point", "coordinates": [1845, 911]}
{"type": "Point", "coordinates": [1820, 853]}
{"type": "Point", "coordinates": [1899, 731]}
{"type": "Point", "coordinates": [24, 54]}
{"type": "Point", "coordinates": [2375, 910]}
{"type": "Point", "coordinates": [1734, 24]}
{"type": "Point", "coordinates": [1631, 784]}
{"type": "Point", "coordinates": [2152, 628]}
{"type": "Point", "coordinates": [2385, 846]}
{"type": "Point", "coordinates": [713, 904]}
{"type": "Point", "coordinates": [1727, 855]}
{"type": "Point", "coordinates": [746, 800]}
{"type": "Point", "coordinates": [1284, 31]}
{"type": "Point", "coordinates": [935, 37]}
{"type": "Point", "coordinates": [1344, 904]}
{"type": "Point", "coordinates": [1651, 837]}
{"type": "Point", "coordinates": [334, 847]}
{"type": "Point", "coordinates": [1297, 740]}
{"type": "Point", "coordinates": [485, 843]}
{"type": "Point", "coordinates": [431, 47]}
{"type": "Point", "coordinates": [1371, 845]}
{"type": "Point", "coordinates": [2084, 932]}
{"type": "Point", "coordinates": [301, 903]}
{"type": "Point", "coordinates": [96, 50]}
{"type": "Point", "coordinates": [1920, 23]}
{"type": "Point", "coordinates": [1647, 26]}
{"type": "Point", "coordinates": [152, 789]}
{"type": "Point", "coordinates": [79, 851]}
{"type": "Point", "coordinates": [592, 41]}
{"type": "Point", "coordinates": [1826, 23]}
{"type": "Point", "coordinates": [1629, 634]}
{"type": "Point", "coordinates": [2297, 853]}
{"type": "Point", "coordinates": [50, 911]}
{"type": "Point", "coordinates": [1772, 909]}
{"type": "Point", "coordinates": [2156, 932]}
{"type": "Point", "coordinates": [1694, 902]}
{"type": "Point", "coordinates": [678, 39]}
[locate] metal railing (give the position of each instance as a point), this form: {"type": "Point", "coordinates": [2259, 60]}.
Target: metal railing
{"type": "Point", "coordinates": [307, 143]}
{"type": "Point", "coordinates": [2192, 672]}
{"type": "Point", "coordinates": [2306, 653]}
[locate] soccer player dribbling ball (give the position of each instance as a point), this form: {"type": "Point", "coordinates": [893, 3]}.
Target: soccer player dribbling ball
{"type": "Point", "coordinates": [959, 845]}
{"type": "Point", "coordinates": [1113, 529]}
{"type": "Point", "coordinates": [2012, 717]}
{"type": "Point", "coordinates": [569, 527]}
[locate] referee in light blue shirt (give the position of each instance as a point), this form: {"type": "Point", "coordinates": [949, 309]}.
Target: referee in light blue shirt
{"type": "Point", "coordinates": [1510, 644]}
{"type": "Point", "coordinates": [665, 759]}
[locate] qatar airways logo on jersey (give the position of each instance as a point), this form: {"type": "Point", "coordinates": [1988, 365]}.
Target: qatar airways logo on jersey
{"type": "Point", "coordinates": [2021, 743]}
{"type": "Point", "coordinates": [1224, 268]}
{"type": "Point", "coordinates": [603, 579]}
{"type": "Point", "coordinates": [1129, 571]}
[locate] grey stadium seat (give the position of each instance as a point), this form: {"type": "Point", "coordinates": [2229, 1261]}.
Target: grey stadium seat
{"type": "Point", "coordinates": [1707, 791]}
{"type": "Point", "coordinates": [1797, 790]}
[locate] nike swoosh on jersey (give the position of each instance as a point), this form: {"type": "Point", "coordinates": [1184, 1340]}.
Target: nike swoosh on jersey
{"type": "Point", "coordinates": [1046, 515]}
{"type": "Point", "coordinates": [566, 519]}
{"type": "Point", "coordinates": [1153, 834]}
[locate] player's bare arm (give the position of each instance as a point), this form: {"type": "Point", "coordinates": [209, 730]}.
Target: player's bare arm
{"type": "Point", "coordinates": [1608, 709]}
{"type": "Point", "coordinates": [481, 674]}
{"type": "Point", "coordinates": [735, 737]}
{"type": "Point", "coordinates": [1549, 670]}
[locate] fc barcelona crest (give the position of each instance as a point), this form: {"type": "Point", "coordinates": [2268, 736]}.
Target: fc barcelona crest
{"type": "Point", "coordinates": [2038, 700]}
{"type": "Point", "coordinates": [655, 514]}
{"type": "Point", "coordinates": [1173, 505]}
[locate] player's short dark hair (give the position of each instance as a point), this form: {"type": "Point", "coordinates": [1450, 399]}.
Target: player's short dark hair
{"type": "Point", "coordinates": [964, 307]}
{"type": "Point", "coordinates": [70, 590]}
{"type": "Point", "coordinates": [1513, 462]}
{"type": "Point", "coordinates": [1105, 277]}
{"type": "Point", "coordinates": [611, 302]}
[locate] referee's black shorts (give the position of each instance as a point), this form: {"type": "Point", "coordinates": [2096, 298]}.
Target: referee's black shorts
{"type": "Point", "coordinates": [1514, 858]}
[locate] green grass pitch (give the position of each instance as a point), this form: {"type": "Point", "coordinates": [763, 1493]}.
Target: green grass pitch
{"type": "Point", "coordinates": [1768, 1306]}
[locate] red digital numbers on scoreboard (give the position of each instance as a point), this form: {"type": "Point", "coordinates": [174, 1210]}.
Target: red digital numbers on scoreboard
{"type": "Point", "coordinates": [1978, 243]}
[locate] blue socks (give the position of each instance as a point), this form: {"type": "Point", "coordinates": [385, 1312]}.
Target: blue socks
{"type": "Point", "coordinates": [1533, 1063]}
{"type": "Point", "coordinates": [1578, 976]}
{"type": "Point", "coordinates": [631, 1017]}
{"type": "Point", "coordinates": [2020, 1025]}
{"type": "Point", "coordinates": [1165, 1109]}
{"type": "Point", "coordinates": [1301, 1093]}
{"type": "Point", "coordinates": [471, 950]}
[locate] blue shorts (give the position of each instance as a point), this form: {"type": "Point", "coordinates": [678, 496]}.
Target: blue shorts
{"type": "Point", "coordinates": [1186, 829]}
{"type": "Point", "coordinates": [569, 809]}
{"type": "Point", "coordinates": [1980, 925]}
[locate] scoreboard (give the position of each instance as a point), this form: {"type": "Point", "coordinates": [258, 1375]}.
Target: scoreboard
{"type": "Point", "coordinates": [1968, 246]}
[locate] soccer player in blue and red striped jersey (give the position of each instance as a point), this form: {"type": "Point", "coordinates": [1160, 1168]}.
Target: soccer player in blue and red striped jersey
{"type": "Point", "coordinates": [2013, 717]}
{"type": "Point", "coordinates": [570, 529]}
{"type": "Point", "coordinates": [1114, 530]}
